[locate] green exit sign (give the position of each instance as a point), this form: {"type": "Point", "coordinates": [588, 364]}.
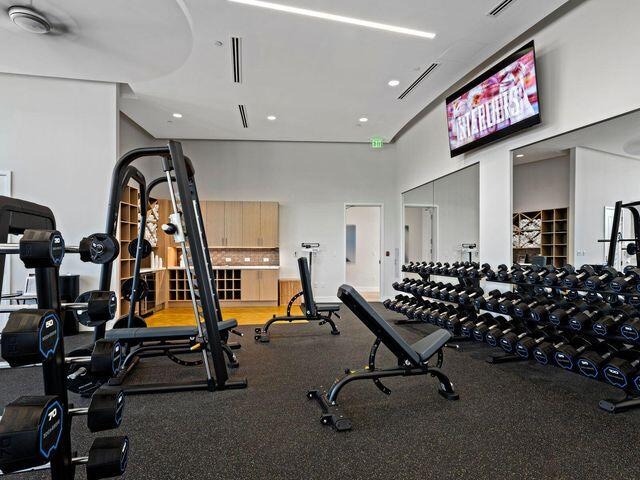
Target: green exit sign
{"type": "Point", "coordinates": [377, 142]}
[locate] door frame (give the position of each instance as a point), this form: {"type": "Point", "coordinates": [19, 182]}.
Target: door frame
{"type": "Point", "coordinates": [381, 240]}
{"type": "Point", "coordinates": [435, 226]}
{"type": "Point", "coordinates": [6, 178]}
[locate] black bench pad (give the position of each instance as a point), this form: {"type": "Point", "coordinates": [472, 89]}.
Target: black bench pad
{"type": "Point", "coordinates": [429, 345]}
{"type": "Point", "coordinates": [162, 333]}
{"type": "Point", "coordinates": [327, 307]}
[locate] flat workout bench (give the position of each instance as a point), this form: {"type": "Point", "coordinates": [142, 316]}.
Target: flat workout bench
{"type": "Point", "coordinates": [313, 312]}
{"type": "Point", "coordinates": [166, 341]}
{"type": "Point", "coordinates": [135, 335]}
{"type": "Point", "coordinates": [412, 359]}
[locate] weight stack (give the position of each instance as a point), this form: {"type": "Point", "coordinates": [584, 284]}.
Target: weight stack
{"type": "Point", "coordinates": [69, 291]}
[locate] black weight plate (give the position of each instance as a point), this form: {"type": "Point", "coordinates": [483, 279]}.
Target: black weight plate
{"type": "Point", "coordinates": [137, 322]}
{"type": "Point", "coordinates": [133, 248]}
{"type": "Point", "coordinates": [142, 290]}
{"type": "Point", "coordinates": [99, 248]}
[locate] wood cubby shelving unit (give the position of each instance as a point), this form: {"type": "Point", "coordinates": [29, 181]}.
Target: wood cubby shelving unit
{"type": "Point", "coordinates": [127, 231]}
{"type": "Point", "coordinates": [542, 232]}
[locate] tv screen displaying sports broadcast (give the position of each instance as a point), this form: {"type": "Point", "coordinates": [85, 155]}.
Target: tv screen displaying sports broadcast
{"type": "Point", "coordinates": [502, 101]}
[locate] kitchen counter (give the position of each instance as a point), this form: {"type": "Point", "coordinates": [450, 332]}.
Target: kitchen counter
{"type": "Point", "coordinates": [237, 267]}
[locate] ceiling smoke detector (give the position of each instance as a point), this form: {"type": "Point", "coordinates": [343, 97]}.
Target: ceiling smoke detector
{"type": "Point", "coordinates": [29, 20]}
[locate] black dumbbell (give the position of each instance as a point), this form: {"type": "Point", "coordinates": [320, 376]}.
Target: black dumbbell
{"type": "Point", "coordinates": [540, 313]}
{"type": "Point", "coordinates": [574, 280]}
{"type": "Point", "coordinates": [523, 309]}
{"type": "Point", "coordinates": [604, 276]}
{"type": "Point", "coordinates": [583, 320]}
{"type": "Point", "coordinates": [591, 362]}
{"type": "Point", "coordinates": [30, 337]}
{"type": "Point", "coordinates": [561, 316]}
{"type": "Point", "coordinates": [621, 370]}
{"type": "Point", "coordinates": [495, 333]}
{"type": "Point", "coordinates": [539, 274]}
{"type": "Point", "coordinates": [553, 279]}
{"type": "Point", "coordinates": [30, 432]}
{"type": "Point", "coordinates": [525, 346]}
{"type": "Point", "coordinates": [611, 321]}
{"type": "Point", "coordinates": [454, 321]}
{"type": "Point", "coordinates": [566, 356]}
{"type": "Point", "coordinates": [493, 304]}
{"type": "Point", "coordinates": [631, 277]}
{"type": "Point", "coordinates": [480, 329]}
{"type": "Point", "coordinates": [544, 352]}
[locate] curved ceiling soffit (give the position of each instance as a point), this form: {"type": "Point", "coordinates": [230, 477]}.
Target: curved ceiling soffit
{"type": "Point", "coordinates": [99, 41]}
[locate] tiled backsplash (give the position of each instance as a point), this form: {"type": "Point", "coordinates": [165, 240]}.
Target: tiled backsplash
{"type": "Point", "coordinates": [237, 256]}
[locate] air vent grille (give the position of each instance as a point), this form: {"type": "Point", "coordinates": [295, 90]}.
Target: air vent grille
{"type": "Point", "coordinates": [501, 7]}
{"type": "Point", "coordinates": [424, 75]}
{"type": "Point", "coordinates": [236, 56]}
{"type": "Point", "coordinates": [243, 115]}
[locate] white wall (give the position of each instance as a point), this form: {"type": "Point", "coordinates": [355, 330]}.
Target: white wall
{"type": "Point", "coordinates": [59, 138]}
{"type": "Point", "coordinates": [311, 181]}
{"type": "Point", "coordinates": [541, 185]}
{"type": "Point", "coordinates": [587, 68]}
{"type": "Point", "coordinates": [364, 273]}
{"type": "Point", "coordinates": [601, 179]}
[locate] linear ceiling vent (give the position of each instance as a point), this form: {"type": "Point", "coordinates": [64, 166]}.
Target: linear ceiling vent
{"type": "Point", "coordinates": [236, 56]}
{"type": "Point", "coordinates": [430, 69]}
{"type": "Point", "coordinates": [501, 7]}
{"type": "Point", "coordinates": [243, 116]}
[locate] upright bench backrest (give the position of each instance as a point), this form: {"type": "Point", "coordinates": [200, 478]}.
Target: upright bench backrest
{"type": "Point", "coordinates": [307, 291]}
{"type": "Point", "coordinates": [378, 325]}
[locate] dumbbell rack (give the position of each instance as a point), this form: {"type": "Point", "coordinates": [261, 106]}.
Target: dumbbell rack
{"type": "Point", "coordinates": [466, 282]}
{"type": "Point", "coordinates": [35, 430]}
{"type": "Point", "coordinates": [561, 293]}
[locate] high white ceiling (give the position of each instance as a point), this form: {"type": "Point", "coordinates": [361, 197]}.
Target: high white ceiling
{"type": "Point", "coordinates": [620, 135]}
{"type": "Point", "coordinates": [318, 77]}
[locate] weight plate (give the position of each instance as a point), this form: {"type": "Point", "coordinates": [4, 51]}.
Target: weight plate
{"type": "Point", "coordinates": [137, 322]}
{"type": "Point", "coordinates": [99, 248]}
{"type": "Point", "coordinates": [133, 248]}
{"type": "Point", "coordinates": [141, 292]}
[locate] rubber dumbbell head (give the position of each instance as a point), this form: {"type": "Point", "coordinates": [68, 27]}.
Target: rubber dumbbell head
{"type": "Point", "coordinates": [30, 336]}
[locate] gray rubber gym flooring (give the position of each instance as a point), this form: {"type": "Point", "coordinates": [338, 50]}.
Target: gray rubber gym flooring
{"type": "Point", "coordinates": [512, 421]}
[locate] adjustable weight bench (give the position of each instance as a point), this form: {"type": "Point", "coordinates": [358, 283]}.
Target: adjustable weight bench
{"type": "Point", "coordinates": [313, 312]}
{"type": "Point", "coordinates": [412, 359]}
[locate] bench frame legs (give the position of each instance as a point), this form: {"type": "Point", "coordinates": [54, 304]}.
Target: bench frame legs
{"type": "Point", "coordinates": [328, 401]}
{"type": "Point", "coordinates": [262, 333]}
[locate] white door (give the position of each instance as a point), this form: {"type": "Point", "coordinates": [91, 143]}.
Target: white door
{"type": "Point", "coordinates": [363, 249]}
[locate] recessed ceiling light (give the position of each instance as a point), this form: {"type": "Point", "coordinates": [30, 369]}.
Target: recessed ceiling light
{"type": "Point", "coordinates": [520, 155]}
{"type": "Point", "coordinates": [177, 115]}
{"type": "Point", "coordinates": [363, 119]}
{"type": "Point", "coordinates": [336, 18]}
{"type": "Point", "coordinates": [218, 43]}
{"type": "Point", "coordinates": [394, 83]}
{"type": "Point", "coordinates": [271, 117]}
{"type": "Point", "coordinates": [29, 20]}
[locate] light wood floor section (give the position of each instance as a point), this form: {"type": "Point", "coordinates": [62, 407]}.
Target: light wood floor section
{"type": "Point", "coordinates": [371, 296]}
{"type": "Point", "coordinates": [170, 317]}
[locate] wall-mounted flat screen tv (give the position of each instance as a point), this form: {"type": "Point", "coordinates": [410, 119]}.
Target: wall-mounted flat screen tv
{"type": "Point", "coordinates": [500, 102]}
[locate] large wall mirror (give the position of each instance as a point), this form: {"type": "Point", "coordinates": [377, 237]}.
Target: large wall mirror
{"type": "Point", "coordinates": [565, 189]}
{"type": "Point", "coordinates": [441, 219]}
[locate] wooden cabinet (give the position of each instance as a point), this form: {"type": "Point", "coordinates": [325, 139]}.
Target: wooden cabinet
{"type": "Point", "coordinates": [268, 285]}
{"type": "Point", "coordinates": [233, 224]}
{"type": "Point", "coordinates": [241, 224]}
{"type": "Point", "coordinates": [251, 224]}
{"type": "Point", "coordinates": [215, 223]}
{"type": "Point", "coordinates": [259, 286]}
{"type": "Point", "coordinates": [269, 225]}
{"type": "Point", "coordinates": [250, 285]}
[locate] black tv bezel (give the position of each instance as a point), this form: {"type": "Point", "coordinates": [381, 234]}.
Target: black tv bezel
{"type": "Point", "coordinates": [511, 129]}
